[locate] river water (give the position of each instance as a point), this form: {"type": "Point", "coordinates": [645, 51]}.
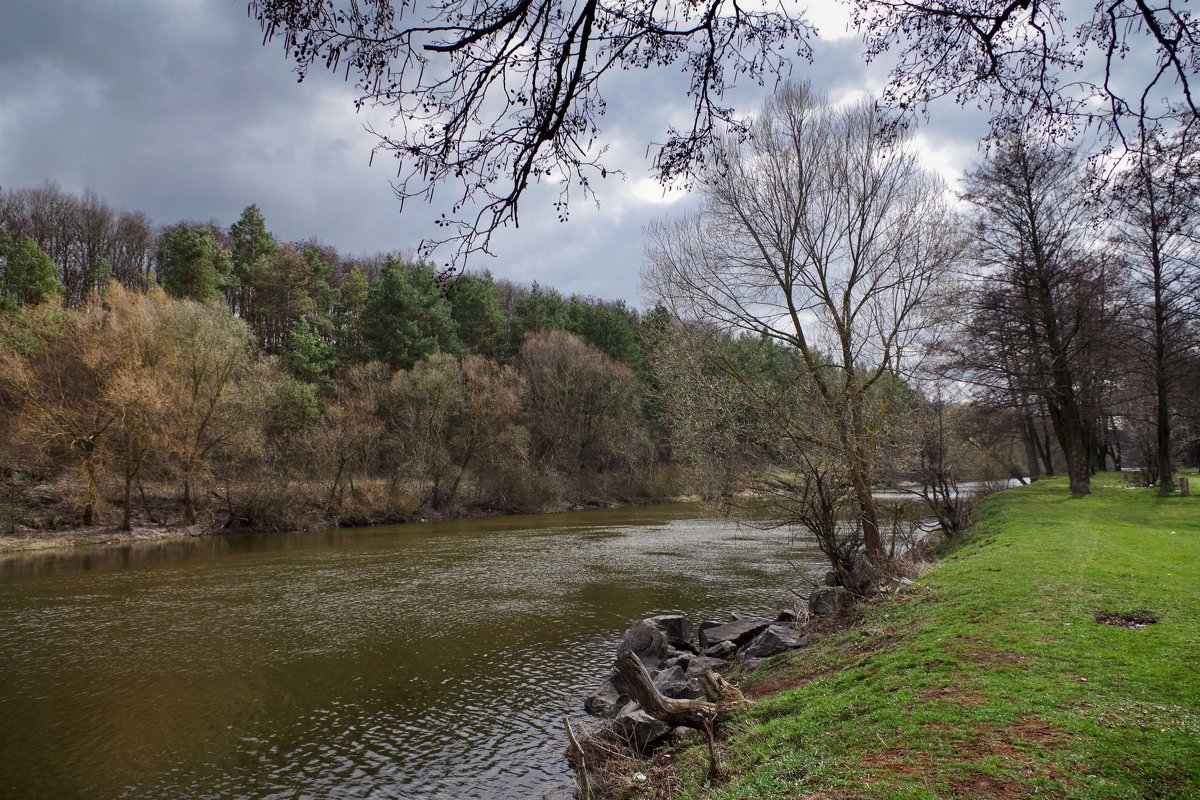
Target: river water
{"type": "Point", "coordinates": [419, 661]}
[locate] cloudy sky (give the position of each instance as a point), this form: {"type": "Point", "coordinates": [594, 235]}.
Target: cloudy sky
{"type": "Point", "coordinates": [174, 108]}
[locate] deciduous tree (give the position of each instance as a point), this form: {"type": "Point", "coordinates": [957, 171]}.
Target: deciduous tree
{"type": "Point", "coordinates": [823, 234]}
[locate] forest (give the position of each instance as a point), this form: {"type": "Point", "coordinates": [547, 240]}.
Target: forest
{"type": "Point", "coordinates": [196, 374]}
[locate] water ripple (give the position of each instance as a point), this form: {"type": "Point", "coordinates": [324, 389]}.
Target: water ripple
{"type": "Point", "coordinates": [423, 661]}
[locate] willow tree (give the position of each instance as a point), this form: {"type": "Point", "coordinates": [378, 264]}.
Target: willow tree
{"type": "Point", "coordinates": [823, 232]}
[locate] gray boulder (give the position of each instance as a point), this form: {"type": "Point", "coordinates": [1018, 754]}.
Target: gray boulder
{"type": "Point", "coordinates": [785, 616]}
{"type": "Point", "coordinates": [674, 682]}
{"type": "Point", "coordinates": [647, 642]}
{"type": "Point", "coordinates": [607, 700]}
{"type": "Point", "coordinates": [774, 640]}
{"type": "Point", "coordinates": [830, 600]}
{"type": "Point", "coordinates": [702, 664]}
{"type": "Point", "coordinates": [676, 627]}
{"type": "Point", "coordinates": [677, 659]}
{"type": "Point", "coordinates": [721, 650]}
{"type": "Point", "coordinates": [637, 727]}
{"type": "Point", "coordinates": [739, 632]}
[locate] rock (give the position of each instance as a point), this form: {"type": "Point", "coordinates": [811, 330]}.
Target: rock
{"type": "Point", "coordinates": [775, 639]}
{"type": "Point", "coordinates": [677, 660]}
{"type": "Point", "coordinates": [674, 682]}
{"type": "Point", "coordinates": [721, 650]}
{"type": "Point", "coordinates": [645, 641]}
{"type": "Point", "coordinates": [786, 616]}
{"type": "Point", "coordinates": [702, 664]}
{"type": "Point", "coordinates": [739, 632]}
{"type": "Point", "coordinates": [607, 700]}
{"type": "Point", "coordinates": [681, 734]}
{"type": "Point", "coordinates": [871, 631]}
{"type": "Point", "coordinates": [676, 627]}
{"type": "Point", "coordinates": [637, 727]}
{"type": "Point", "coordinates": [751, 664]}
{"type": "Point", "coordinates": [735, 616]}
{"type": "Point", "coordinates": [704, 626]}
{"type": "Point", "coordinates": [829, 601]}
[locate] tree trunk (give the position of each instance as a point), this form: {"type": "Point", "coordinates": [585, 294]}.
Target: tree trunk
{"type": "Point", "coordinates": [127, 519]}
{"type": "Point", "coordinates": [1029, 437]}
{"type": "Point", "coordinates": [89, 508]}
{"type": "Point", "coordinates": [1046, 450]}
{"type": "Point", "coordinates": [189, 508]}
{"type": "Point", "coordinates": [697, 714]}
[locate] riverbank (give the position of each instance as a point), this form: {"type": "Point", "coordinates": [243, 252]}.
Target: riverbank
{"type": "Point", "coordinates": [1002, 674]}
{"type": "Point", "coordinates": [44, 508]}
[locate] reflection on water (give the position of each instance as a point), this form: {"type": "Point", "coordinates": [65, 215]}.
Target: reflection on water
{"type": "Point", "coordinates": [432, 660]}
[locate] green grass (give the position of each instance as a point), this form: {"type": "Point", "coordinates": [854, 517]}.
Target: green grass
{"type": "Point", "coordinates": [991, 678]}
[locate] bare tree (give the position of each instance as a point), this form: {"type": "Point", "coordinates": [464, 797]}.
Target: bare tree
{"type": "Point", "coordinates": [1044, 307]}
{"type": "Point", "coordinates": [1118, 66]}
{"type": "Point", "coordinates": [492, 96]}
{"type": "Point", "coordinates": [823, 235]}
{"type": "Point", "coordinates": [1154, 204]}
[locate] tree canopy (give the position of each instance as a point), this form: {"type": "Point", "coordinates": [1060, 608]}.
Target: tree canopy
{"type": "Point", "coordinates": [492, 95]}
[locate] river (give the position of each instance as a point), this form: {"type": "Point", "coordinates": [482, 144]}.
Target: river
{"type": "Point", "coordinates": [432, 660]}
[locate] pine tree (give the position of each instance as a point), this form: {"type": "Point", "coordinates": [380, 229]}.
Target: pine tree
{"type": "Point", "coordinates": [194, 266]}
{"type": "Point", "coordinates": [407, 317]}
{"type": "Point", "coordinates": [27, 275]}
{"type": "Point", "coordinates": [475, 306]}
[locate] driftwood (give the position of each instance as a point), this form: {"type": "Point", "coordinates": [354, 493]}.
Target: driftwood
{"type": "Point", "coordinates": [583, 785]}
{"type": "Point", "coordinates": [699, 715]}
{"type": "Point", "coordinates": [722, 692]}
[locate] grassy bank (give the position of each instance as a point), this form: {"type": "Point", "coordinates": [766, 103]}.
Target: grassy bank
{"type": "Point", "coordinates": [992, 679]}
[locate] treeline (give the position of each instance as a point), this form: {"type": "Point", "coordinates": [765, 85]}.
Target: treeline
{"type": "Point", "coordinates": [199, 374]}
{"type": "Point", "coordinates": [1080, 328]}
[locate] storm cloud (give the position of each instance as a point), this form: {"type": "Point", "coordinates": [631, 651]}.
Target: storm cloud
{"type": "Point", "coordinates": [176, 109]}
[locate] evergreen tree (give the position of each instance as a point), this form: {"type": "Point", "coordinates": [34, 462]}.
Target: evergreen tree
{"type": "Point", "coordinates": [609, 327]}
{"type": "Point", "coordinates": [475, 307]}
{"type": "Point", "coordinates": [281, 296]}
{"type": "Point", "coordinates": [250, 243]}
{"type": "Point", "coordinates": [309, 356]}
{"type": "Point", "coordinates": [537, 309]}
{"type": "Point", "coordinates": [407, 317]}
{"type": "Point", "coordinates": [194, 266]}
{"type": "Point", "coordinates": [349, 302]}
{"type": "Point", "coordinates": [320, 291]}
{"type": "Point", "coordinates": [99, 275]}
{"type": "Point", "coordinates": [27, 275]}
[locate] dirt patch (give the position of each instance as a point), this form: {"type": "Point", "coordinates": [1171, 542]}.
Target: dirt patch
{"type": "Point", "coordinates": [952, 694]}
{"type": "Point", "coordinates": [971, 744]}
{"type": "Point", "coordinates": [987, 787]}
{"type": "Point", "coordinates": [781, 679]}
{"type": "Point", "coordinates": [1129, 619]}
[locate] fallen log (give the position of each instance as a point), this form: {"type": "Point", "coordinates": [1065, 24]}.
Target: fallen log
{"type": "Point", "coordinates": [690, 713]}
{"type": "Point", "coordinates": [699, 715]}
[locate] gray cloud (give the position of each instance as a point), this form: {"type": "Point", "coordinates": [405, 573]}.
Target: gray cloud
{"type": "Point", "coordinates": [177, 110]}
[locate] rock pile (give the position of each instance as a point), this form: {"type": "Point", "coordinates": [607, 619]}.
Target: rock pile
{"type": "Point", "coordinates": [676, 654]}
